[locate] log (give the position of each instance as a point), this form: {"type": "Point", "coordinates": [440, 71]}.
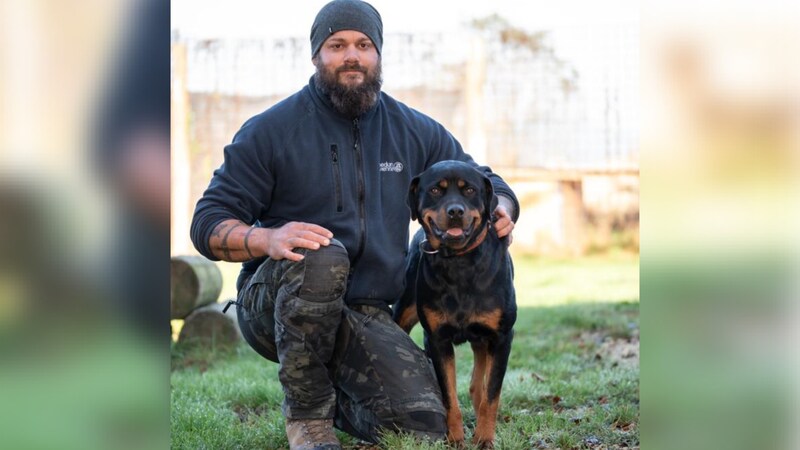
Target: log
{"type": "Point", "coordinates": [210, 327]}
{"type": "Point", "coordinates": [194, 281]}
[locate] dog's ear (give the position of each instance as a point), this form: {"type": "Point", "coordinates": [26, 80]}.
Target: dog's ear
{"type": "Point", "coordinates": [489, 199]}
{"type": "Point", "coordinates": [413, 197]}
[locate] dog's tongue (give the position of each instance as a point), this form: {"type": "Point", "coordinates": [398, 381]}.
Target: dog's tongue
{"type": "Point", "coordinates": [455, 232]}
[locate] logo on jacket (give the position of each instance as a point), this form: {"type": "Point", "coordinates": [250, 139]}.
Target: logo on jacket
{"type": "Point", "coordinates": [391, 166]}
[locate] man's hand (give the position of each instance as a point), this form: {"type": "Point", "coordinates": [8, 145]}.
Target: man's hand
{"type": "Point", "coordinates": [503, 224]}
{"type": "Point", "coordinates": [281, 241]}
{"type": "Point", "coordinates": [235, 241]}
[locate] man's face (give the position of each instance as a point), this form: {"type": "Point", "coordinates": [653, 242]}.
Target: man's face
{"type": "Point", "coordinates": [349, 72]}
{"type": "Point", "coordinates": [350, 56]}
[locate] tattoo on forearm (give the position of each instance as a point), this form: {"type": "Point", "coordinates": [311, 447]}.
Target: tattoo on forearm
{"type": "Point", "coordinates": [217, 232]}
{"type": "Point", "coordinates": [225, 249]}
{"type": "Point", "coordinates": [246, 245]}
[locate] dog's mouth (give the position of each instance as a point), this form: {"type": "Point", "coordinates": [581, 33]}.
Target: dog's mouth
{"type": "Point", "coordinates": [449, 234]}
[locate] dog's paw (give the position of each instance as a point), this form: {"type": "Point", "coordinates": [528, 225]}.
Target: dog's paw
{"type": "Point", "coordinates": [456, 439]}
{"type": "Point", "coordinates": [483, 441]}
{"type": "Point", "coordinates": [484, 444]}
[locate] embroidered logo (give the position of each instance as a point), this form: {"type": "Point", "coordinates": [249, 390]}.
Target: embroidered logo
{"type": "Point", "coordinates": [391, 166]}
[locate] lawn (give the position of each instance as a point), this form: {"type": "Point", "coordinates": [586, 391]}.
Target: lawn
{"type": "Point", "coordinates": [572, 381]}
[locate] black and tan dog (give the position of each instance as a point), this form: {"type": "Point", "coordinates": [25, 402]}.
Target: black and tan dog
{"type": "Point", "coordinates": [459, 285]}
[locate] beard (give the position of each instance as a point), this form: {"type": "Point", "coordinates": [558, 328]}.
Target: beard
{"type": "Point", "coordinates": [350, 101]}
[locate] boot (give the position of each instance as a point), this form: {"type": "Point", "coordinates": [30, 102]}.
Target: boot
{"type": "Point", "coordinates": [311, 434]}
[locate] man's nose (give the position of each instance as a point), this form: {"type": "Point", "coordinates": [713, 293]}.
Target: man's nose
{"type": "Point", "coordinates": [351, 53]}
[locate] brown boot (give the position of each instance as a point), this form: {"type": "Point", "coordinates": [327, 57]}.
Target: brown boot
{"type": "Point", "coordinates": [311, 434]}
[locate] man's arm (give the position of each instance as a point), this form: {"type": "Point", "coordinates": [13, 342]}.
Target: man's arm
{"type": "Point", "coordinates": [234, 241]}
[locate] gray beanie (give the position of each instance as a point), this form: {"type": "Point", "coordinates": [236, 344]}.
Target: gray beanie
{"type": "Point", "coordinates": [341, 15]}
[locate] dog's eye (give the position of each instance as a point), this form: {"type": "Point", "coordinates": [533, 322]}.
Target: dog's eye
{"type": "Point", "coordinates": [435, 190]}
{"type": "Point", "coordinates": [469, 190]}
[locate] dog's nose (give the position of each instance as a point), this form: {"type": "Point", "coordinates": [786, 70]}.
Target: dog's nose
{"type": "Point", "coordinates": [455, 211]}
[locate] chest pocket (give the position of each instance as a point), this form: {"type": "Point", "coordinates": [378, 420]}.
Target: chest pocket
{"type": "Point", "coordinates": [337, 176]}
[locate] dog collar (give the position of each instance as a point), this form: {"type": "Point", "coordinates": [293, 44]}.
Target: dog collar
{"type": "Point", "coordinates": [426, 251]}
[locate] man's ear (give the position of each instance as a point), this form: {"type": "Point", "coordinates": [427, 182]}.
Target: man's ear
{"type": "Point", "coordinates": [489, 199]}
{"type": "Point", "coordinates": [413, 198]}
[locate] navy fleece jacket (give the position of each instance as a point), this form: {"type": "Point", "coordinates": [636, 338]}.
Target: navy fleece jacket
{"type": "Point", "coordinates": [302, 161]}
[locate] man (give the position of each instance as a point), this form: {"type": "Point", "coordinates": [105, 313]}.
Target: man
{"type": "Point", "coordinates": [311, 197]}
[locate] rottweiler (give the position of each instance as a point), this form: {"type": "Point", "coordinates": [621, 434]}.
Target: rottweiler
{"type": "Point", "coordinates": [459, 286]}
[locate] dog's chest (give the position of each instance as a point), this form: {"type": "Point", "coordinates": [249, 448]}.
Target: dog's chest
{"type": "Point", "coordinates": [464, 325]}
{"type": "Point", "coordinates": [462, 317]}
{"type": "Point", "coordinates": [464, 298]}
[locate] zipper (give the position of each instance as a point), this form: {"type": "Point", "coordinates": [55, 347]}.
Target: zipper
{"type": "Point", "coordinates": [337, 176]}
{"type": "Point", "coordinates": [362, 207]}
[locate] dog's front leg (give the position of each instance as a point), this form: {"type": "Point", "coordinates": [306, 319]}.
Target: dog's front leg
{"type": "Point", "coordinates": [444, 362]}
{"type": "Point", "coordinates": [496, 362]}
{"type": "Point", "coordinates": [477, 387]}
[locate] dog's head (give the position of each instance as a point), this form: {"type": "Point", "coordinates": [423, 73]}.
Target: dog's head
{"type": "Point", "coordinates": [453, 202]}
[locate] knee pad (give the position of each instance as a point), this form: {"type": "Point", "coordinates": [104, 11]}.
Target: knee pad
{"type": "Point", "coordinates": [325, 273]}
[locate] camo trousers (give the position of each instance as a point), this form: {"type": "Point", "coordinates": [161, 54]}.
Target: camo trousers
{"type": "Point", "coordinates": [352, 364]}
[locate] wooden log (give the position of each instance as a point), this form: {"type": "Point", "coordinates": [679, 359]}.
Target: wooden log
{"type": "Point", "coordinates": [194, 281]}
{"type": "Point", "coordinates": [210, 327]}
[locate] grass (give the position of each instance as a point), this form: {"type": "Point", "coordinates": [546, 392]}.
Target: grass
{"type": "Point", "coordinates": [572, 380]}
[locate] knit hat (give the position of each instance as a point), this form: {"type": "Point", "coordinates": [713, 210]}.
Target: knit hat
{"type": "Point", "coordinates": [341, 15]}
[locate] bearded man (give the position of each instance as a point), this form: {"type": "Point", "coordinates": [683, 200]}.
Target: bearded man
{"type": "Point", "coordinates": [311, 197]}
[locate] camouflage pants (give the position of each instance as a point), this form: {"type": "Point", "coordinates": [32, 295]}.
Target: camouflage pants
{"type": "Point", "coordinates": [352, 364]}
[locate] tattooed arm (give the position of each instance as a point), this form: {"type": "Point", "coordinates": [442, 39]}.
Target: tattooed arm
{"type": "Point", "coordinates": [235, 241]}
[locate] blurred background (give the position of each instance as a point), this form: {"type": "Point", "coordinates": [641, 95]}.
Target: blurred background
{"type": "Point", "coordinates": [566, 101]}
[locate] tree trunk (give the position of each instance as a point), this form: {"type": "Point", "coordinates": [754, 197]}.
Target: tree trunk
{"type": "Point", "coordinates": [209, 326]}
{"type": "Point", "coordinates": [194, 281]}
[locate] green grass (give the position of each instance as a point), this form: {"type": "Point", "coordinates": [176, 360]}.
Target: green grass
{"type": "Point", "coordinates": [572, 380]}
{"type": "Point", "coordinates": [605, 278]}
